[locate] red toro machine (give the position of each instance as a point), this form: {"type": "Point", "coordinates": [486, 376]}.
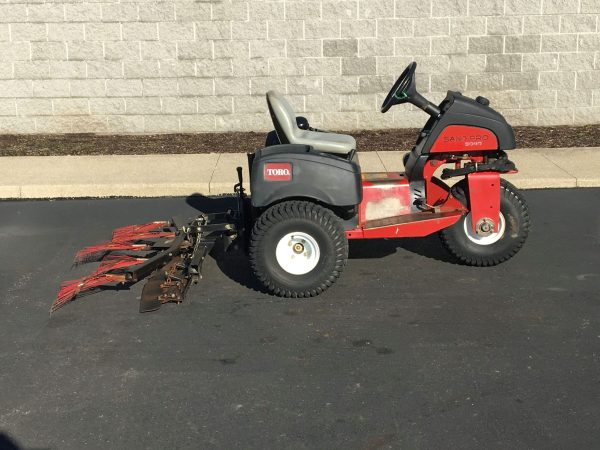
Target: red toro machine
{"type": "Point", "coordinates": [309, 198]}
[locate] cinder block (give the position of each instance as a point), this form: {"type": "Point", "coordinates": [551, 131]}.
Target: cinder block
{"type": "Point", "coordinates": [340, 85]}
{"type": "Point", "coordinates": [267, 49]}
{"type": "Point", "coordinates": [125, 124]}
{"type": "Point", "coordinates": [256, 67]}
{"type": "Point", "coordinates": [541, 24]}
{"type": "Point", "coordinates": [590, 6]}
{"type": "Point", "coordinates": [586, 115]}
{"type": "Point", "coordinates": [89, 124]}
{"type": "Point", "coordinates": [484, 81]}
{"type": "Point", "coordinates": [469, 26]}
{"type": "Point", "coordinates": [13, 13]}
{"type": "Point", "coordinates": [143, 105]}
{"type": "Point", "coordinates": [518, 7]}
{"type": "Point", "coordinates": [50, 88]}
{"type": "Point", "coordinates": [119, 12]}
{"type": "Point", "coordinates": [28, 32]}
{"type": "Point", "coordinates": [560, 6]}
{"type": "Point", "coordinates": [559, 42]}
{"type": "Point", "coordinates": [375, 84]}
{"type": "Point", "coordinates": [232, 86]}
{"type": "Point", "coordinates": [286, 66]}
{"type": "Point", "coordinates": [267, 11]}
{"type": "Point", "coordinates": [504, 63]}
{"type": "Point", "coordinates": [576, 61]}
{"type": "Point", "coordinates": [231, 49]}
{"type": "Point", "coordinates": [176, 31]}
{"type": "Point", "coordinates": [335, 9]}
{"type": "Point", "coordinates": [250, 30]}
{"type": "Point", "coordinates": [523, 117]}
{"type": "Point", "coordinates": [214, 30]}
{"type": "Point", "coordinates": [486, 7]}
{"type": "Point", "coordinates": [141, 69]}
{"type": "Point", "coordinates": [71, 106]}
{"type": "Point", "coordinates": [340, 121]}
{"type": "Point", "coordinates": [106, 106]}
{"type": "Point", "coordinates": [448, 81]}
{"type": "Point", "coordinates": [48, 51]}
{"type": "Point", "coordinates": [123, 88]}
{"type": "Point", "coordinates": [17, 125]}
{"type": "Point", "coordinates": [359, 66]}
{"type": "Point", "coordinates": [194, 50]}
{"type": "Point", "coordinates": [8, 107]}
{"type": "Point", "coordinates": [156, 11]}
{"type": "Point", "coordinates": [504, 25]}
{"type": "Point", "coordinates": [34, 107]}
{"type": "Point", "coordinates": [104, 69]}
{"type": "Point", "coordinates": [197, 123]}
{"type": "Point", "coordinates": [358, 102]}
{"type": "Point", "coordinates": [323, 66]}
{"type": "Point", "coordinates": [520, 81]}
{"type": "Point", "coordinates": [358, 28]}
{"type": "Point", "coordinates": [411, 8]}
{"type": "Point", "coordinates": [52, 125]}
{"type": "Point", "coordinates": [285, 29]}
{"type": "Point", "coordinates": [304, 48]}
{"type": "Point", "coordinates": [540, 62]}
{"type": "Point", "coordinates": [387, 28]}
{"type": "Point", "coordinates": [374, 9]}
{"type": "Point", "coordinates": [538, 99]}
{"type": "Point", "coordinates": [432, 27]}
{"type": "Point", "coordinates": [557, 80]}
{"type": "Point", "coordinates": [215, 105]}
{"type": "Point", "coordinates": [45, 13]}
{"type": "Point", "coordinates": [67, 69]}
{"type": "Point", "coordinates": [247, 104]}
{"type": "Point", "coordinates": [82, 51]}
{"type": "Point", "coordinates": [449, 8]}
{"type": "Point", "coordinates": [215, 67]}
{"type": "Point", "coordinates": [555, 116]}
{"type": "Point", "coordinates": [176, 105]}
{"type": "Point", "coordinates": [159, 50]}
{"type": "Point", "coordinates": [6, 71]}
{"type": "Point", "coordinates": [304, 85]}
{"type": "Point", "coordinates": [589, 42]}
{"type": "Point", "coordinates": [578, 24]}
{"type": "Point", "coordinates": [117, 51]}
{"type": "Point", "coordinates": [177, 69]}
{"type": "Point", "coordinates": [486, 44]}
{"type": "Point", "coordinates": [391, 65]}
{"type": "Point", "coordinates": [412, 46]}
{"type": "Point", "coordinates": [138, 31]}
{"type": "Point", "coordinates": [83, 12]}
{"type": "Point", "coordinates": [186, 11]}
{"type": "Point", "coordinates": [375, 47]}
{"type": "Point", "coordinates": [88, 88]}
{"type": "Point", "coordinates": [320, 103]}
{"type": "Point", "coordinates": [228, 10]}
{"type": "Point", "coordinates": [14, 51]}
{"type": "Point", "coordinates": [588, 79]}
{"type": "Point", "coordinates": [260, 85]}
{"type": "Point", "coordinates": [303, 10]}
{"type": "Point", "coordinates": [103, 32]}
{"type": "Point", "coordinates": [320, 29]}
{"type": "Point", "coordinates": [522, 44]}
{"type": "Point", "coordinates": [467, 63]}
{"type": "Point", "coordinates": [160, 87]}
{"type": "Point", "coordinates": [340, 47]}
{"type": "Point", "coordinates": [243, 122]}
{"type": "Point", "coordinates": [4, 32]}
{"type": "Point", "coordinates": [449, 45]}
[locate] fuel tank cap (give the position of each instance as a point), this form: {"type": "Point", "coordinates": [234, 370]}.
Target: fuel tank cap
{"type": "Point", "coordinates": [482, 100]}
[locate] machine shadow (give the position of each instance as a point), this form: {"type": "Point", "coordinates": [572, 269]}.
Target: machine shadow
{"type": "Point", "coordinates": [429, 247]}
{"type": "Point", "coordinates": [212, 204]}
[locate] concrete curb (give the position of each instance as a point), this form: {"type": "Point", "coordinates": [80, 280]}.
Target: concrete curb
{"type": "Point", "coordinates": [44, 177]}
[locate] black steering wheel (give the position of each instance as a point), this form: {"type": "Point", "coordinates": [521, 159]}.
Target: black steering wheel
{"type": "Point", "coordinates": [402, 89]}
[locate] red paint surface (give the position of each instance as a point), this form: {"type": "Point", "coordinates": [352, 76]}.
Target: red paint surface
{"type": "Point", "coordinates": [379, 186]}
{"type": "Point", "coordinates": [484, 197]}
{"type": "Point", "coordinates": [464, 139]}
{"type": "Point", "coordinates": [277, 172]}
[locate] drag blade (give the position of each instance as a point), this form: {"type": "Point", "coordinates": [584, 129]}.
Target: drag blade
{"type": "Point", "coordinates": [168, 284]}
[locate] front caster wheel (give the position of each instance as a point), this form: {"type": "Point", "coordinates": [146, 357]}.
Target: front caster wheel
{"type": "Point", "coordinates": [298, 249]}
{"type": "Point", "coordinates": [475, 250]}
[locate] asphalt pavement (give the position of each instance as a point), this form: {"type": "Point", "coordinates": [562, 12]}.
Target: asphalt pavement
{"type": "Point", "coordinates": [407, 350]}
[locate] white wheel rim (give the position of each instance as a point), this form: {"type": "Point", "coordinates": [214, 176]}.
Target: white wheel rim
{"type": "Point", "coordinates": [297, 253]}
{"type": "Point", "coordinates": [484, 239]}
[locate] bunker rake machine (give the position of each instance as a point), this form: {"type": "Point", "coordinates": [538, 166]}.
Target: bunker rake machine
{"type": "Point", "coordinates": [310, 198]}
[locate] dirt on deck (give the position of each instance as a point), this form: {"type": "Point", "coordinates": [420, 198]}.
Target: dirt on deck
{"type": "Point", "coordinates": [382, 140]}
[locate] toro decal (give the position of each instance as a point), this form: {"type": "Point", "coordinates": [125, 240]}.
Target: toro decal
{"type": "Point", "coordinates": [463, 138]}
{"type": "Point", "coordinates": [277, 172]}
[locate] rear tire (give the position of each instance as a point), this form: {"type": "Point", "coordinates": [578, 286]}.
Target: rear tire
{"type": "Point", "coordinates": [473, 250]}
{"type": "Point", "coordinates": [298, 249]}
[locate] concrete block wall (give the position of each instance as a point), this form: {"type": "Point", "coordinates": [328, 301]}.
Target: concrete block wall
{"type": "Point", "coordinates": [203, 66]}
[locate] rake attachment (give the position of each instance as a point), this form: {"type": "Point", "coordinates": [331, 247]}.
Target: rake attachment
{"type": "Point", "coordinates": [168, 252]}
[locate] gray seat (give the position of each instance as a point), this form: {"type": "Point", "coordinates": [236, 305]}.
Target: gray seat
{"type": "Point", "coordinates": [284, 120]}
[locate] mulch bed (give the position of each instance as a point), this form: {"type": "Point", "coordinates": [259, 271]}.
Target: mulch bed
{"type": "Point", "coordinates": [382, 140]}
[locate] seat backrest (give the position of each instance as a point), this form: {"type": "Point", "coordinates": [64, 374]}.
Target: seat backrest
{"type": "Point", "coordinates": [283, 116]}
